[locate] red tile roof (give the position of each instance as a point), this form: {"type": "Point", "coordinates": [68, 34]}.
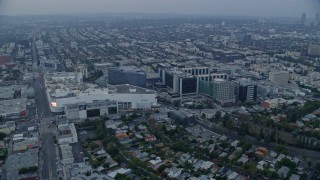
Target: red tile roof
{"type": "Point", "coordinates": [5, 59]}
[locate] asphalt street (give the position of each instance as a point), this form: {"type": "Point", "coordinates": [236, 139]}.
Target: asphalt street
{"type": "Point", "coordinates": [47, 154]}
{"type": "Point", "coordinates": [48, 166]}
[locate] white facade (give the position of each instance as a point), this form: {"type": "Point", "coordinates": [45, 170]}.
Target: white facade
{"type": "Point", "coordinates": [83, 69]}
{"type": "Point", "coordinates": [250, 93]}
{"type": "Point", "coordinates": [197, 70]}
{"type": "Point", "coordinates": [39, 44]}
{"type": "Point", "coordinates": [64, 77]}
{"type": "Point", "coordinates": [14, 108]}
{"type": "Point", "coordinates": [67, 88]}
{"type": "Point", "coordinates": [212, 76]}
{"type": "Point", "coordinates": [78, 112]}
{"type": "Point", "coordinates": [49, 64]}
{"type": "Point", "coordinates": [66, 154]}
{"type": "Point", "coordinates": [225, 91]}
{"type": "Point", "coordinates": [138, 101]}
{"type": "Point", "coordinates": [61, 97]}
{"type": "Point", "coordinates": [133, 100]}
{"type": "Point", "coordinates": [67, 134]}
{"type": "Point", "coordinates": [74, 45]}
{"type": "Point", "coordinates": [281, 77]}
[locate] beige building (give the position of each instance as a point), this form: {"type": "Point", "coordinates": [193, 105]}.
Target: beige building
{"type": "Point", "coordinates": [279, 77]}
{"type": "Point", "coordinates": [27, 143]}
{"type": "Point", "coordinates": [314, 50]}
{"type": "Point", "coordinates": [8, 127]}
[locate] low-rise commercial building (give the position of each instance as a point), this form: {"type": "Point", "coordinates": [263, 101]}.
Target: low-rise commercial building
{"type": "Point", "coordinates": [14, 108]}
{"type": "Point", "coordinates": [6, 61]}
{"type": "Point", "coordinates": [67, 134]}
{"type": "Point", "coordinates": [65, 95]}
{"type": "Point", "coordinates": [16, 91]}
{"type": "Point", "coordinates": [80, 111]}
{"type": "Point", "coordinates": [8, 127]}
{"type": "Point", "coordinates": [66, 154]}
{"type": "Point", "coordinates": [273, 103]}
{"type": "Point", "coordinates": [15, 162]}
{"type": "Point", "coordinates": [50, 64]}
{"type": "Point", "coordinates": [7, 93]}
{"type": "Point", "coordinates": [26, 143]}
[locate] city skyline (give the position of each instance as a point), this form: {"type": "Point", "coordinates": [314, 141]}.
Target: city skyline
{"type": "Point", "coordinates": [160, 96]}
{"type": "Point", "coordinates": [267, 8]}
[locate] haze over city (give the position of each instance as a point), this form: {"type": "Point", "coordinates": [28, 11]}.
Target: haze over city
{"type": "Point", "coordinates": [159, 89]}
{"type": "Point", "coordinates": [283, 8]}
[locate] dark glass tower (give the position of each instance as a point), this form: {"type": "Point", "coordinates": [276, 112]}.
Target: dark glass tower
{"type": "Point", "coordinates": [127, 75]}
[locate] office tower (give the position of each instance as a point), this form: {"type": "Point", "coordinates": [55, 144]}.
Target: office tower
{"type": "Point", "coordinates": [230, 70]}
{"type": "Point", "coordinates": [196, 70]}
{"type": "Point", "coordinates": [303, 18]}
{"type": "Point", "coordinates": [206, 88]}
{"type": "Point", "coordinates": [314, 50]}
{"type": "Point", "coordinates": [219, 89]}
{"type": "Point", "coordinates": [127, 75]}
{"type": "Point", "coordinates": [188, 85]}
{"type": "Point", "coordinates": [179, 82]}
{"type": "Point", "coordinates": [225, 92]}
{"type": "Point", "coordinates": [279, 77]}
{"type": "Point", "coordinates": [212, 76]}
{"type": "Point", "coordinates": [245, 90]}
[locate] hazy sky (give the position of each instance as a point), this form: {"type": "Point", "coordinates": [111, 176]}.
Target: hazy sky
{"type": "Point", "coordinates": [214, 7]}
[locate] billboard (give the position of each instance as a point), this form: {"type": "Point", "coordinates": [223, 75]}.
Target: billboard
{"type": "Point", "coordinates": [82, 106]}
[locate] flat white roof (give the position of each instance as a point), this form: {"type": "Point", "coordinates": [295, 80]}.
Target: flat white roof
{"type": "Point", "coordinates": [13, 106]}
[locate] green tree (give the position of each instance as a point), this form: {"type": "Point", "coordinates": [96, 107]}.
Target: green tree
{"type": "Point", "coordinates": [218, 115]}
{"type": "Point", "coordinates": [180, 146]}
{"type": "Point", "coordinates": [112, 149]}
{"type": "Point", "coordinates": [203, 115]}
{"type": "Point", "coordinates": [286, 162]}
{"type": "Point", "coordinates": [269, 174]}
{"type": "Point", "coordinates": [199, 106]}
{"type": "Point", "coordinates": [261, 134]}
{"type": "Point", "coordinates": [121, 177]}
{"type": "Point", "coordinates": [161, 168]}
{"type": "Point", "coordinates": [318, 166]}
{"type": "Point", "coordinates": [243, 129]}
{"type": "Point", "coordinates": [2, 136]}
{"type": "Point", "coordinates": [26, 170]}
{"type": "Point", "coordinates": [251, 168]}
